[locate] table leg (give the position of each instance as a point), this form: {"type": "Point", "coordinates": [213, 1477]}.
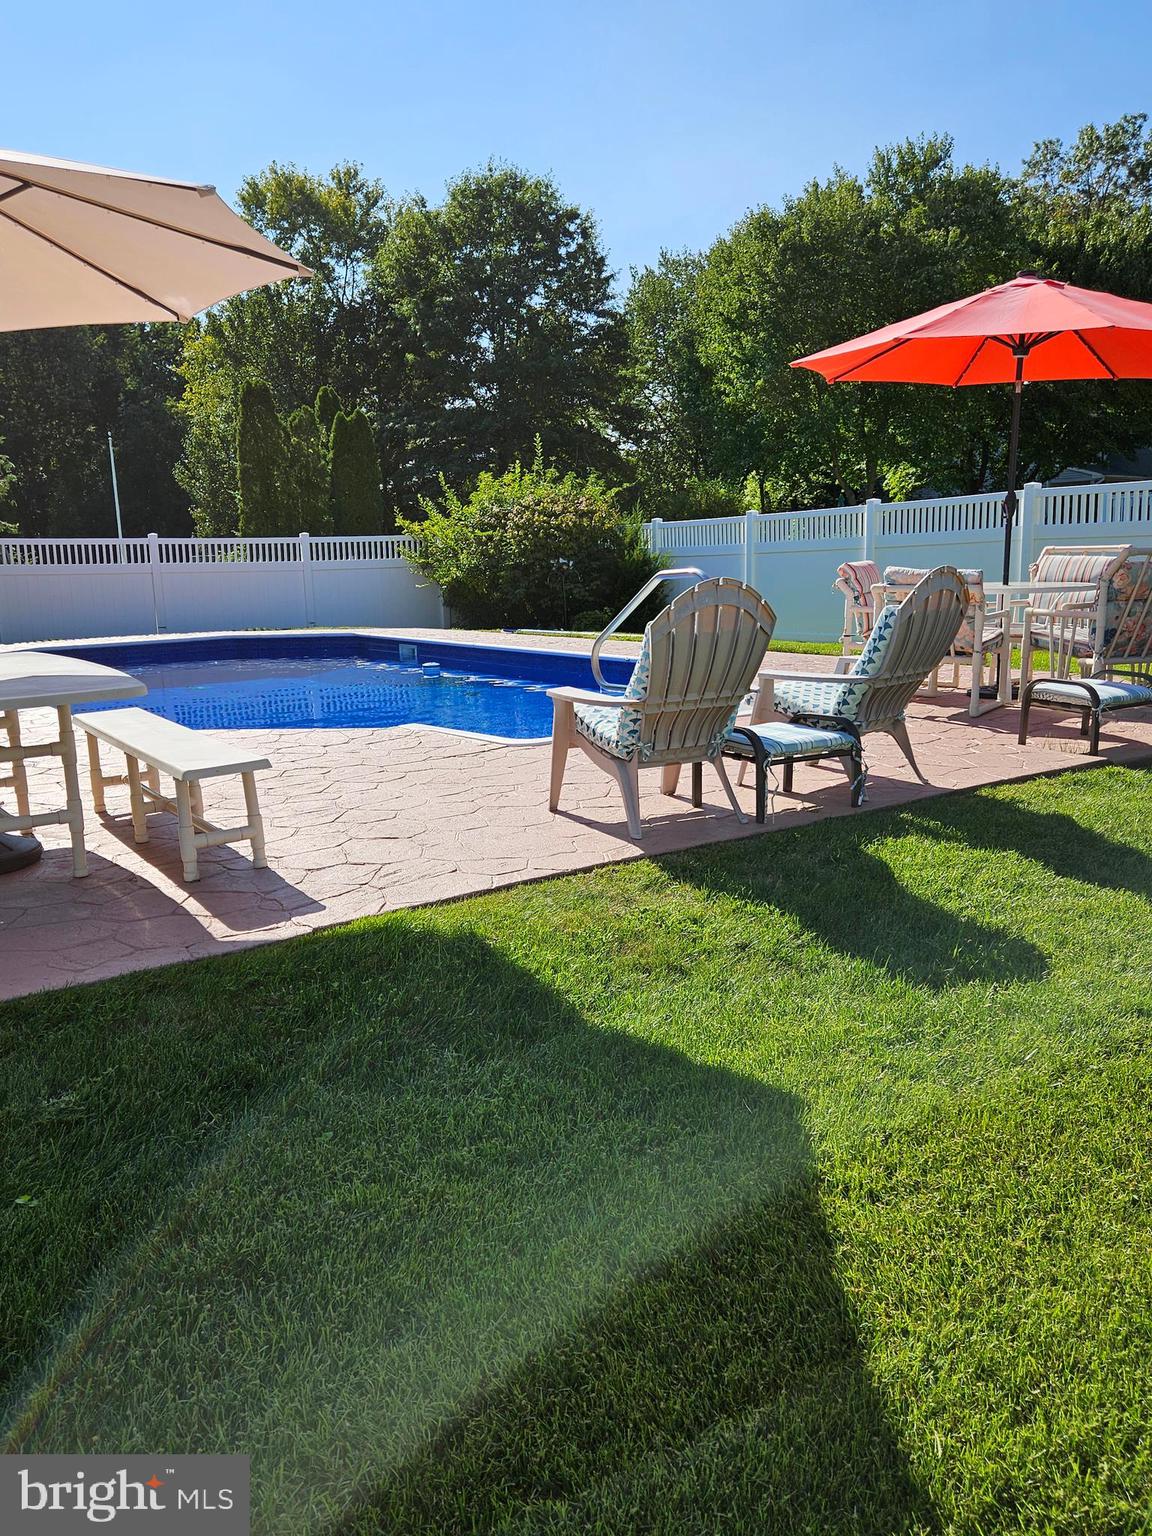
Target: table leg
{"type": "Point", "coordinates": [72, 800]}
{"type": "Point", "coordinates": [19, 779]}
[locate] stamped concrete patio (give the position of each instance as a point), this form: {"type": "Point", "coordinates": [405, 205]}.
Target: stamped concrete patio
{"type": "Point", "coordinates": [364, 821]}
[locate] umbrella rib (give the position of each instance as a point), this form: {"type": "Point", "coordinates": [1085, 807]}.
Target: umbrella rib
{"type": "Point", "coordinates": [875, 358]}
{"type": "Point", "coordinates": [92, 265]}
{"type": "Point", "coordinates": [980, 345]}
{"type": "Point", "coordinates": [142, 218]}
{"type": "Point", "coordinates": [1080, 337]}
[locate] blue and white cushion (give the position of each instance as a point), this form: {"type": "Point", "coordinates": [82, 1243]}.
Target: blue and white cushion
{"type": "Point", "coordinates": [781, 740]}
{"type": "Point", "coordinates": [838, 697]}
{"type": "Point", "coordinates": [1112, 694]}
{"type": "Point", "coordinates": [616, 730]}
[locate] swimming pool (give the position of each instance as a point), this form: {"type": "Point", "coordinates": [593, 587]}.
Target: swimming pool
{"type": "Point", "coordinates": [347, 680]}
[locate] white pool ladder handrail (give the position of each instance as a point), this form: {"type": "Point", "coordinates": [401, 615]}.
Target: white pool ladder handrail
{"type": "Point", "coordinates": [681, 573]}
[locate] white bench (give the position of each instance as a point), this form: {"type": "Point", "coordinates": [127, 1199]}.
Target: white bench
{"type": "Point", "coordinates": [187, 757]}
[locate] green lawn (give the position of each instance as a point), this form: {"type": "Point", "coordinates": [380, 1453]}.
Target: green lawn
{"type": "Point", "coordinates": [794, 1185]}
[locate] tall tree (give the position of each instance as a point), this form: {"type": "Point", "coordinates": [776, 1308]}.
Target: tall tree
{"type": "Point", "coordinates": [356, 502]}
{"type": "Point", "coordinates": [509, 329]}
{"type": "Point", "coordinates": [262, 466]}
{"type": "Point", "coordinates": [690, 443]}
{"type": "Point", "coordinates": [846, 257]}
{"type": "Point", "coordinates": [296, 336]}
{"type": "Point", "coordinates": [306, 470]}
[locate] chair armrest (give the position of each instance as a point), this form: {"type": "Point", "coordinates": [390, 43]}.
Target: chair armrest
{"type": "Point", "coordinates": [592, 696]}
{"type": "Point", "coordinates": [803, 677]}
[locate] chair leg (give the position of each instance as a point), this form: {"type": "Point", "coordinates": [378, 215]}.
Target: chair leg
{"type": "Point", "coordinates": [854, 768]}
{"type": "Point", "coordinates": [1094, 734]}
{"type": "Point", "coordinates": [718, 762]}
{"type": "Point", "coordinates": [628, 775]}
{"type": "Point", "coordinates": [899, 733]}
{"type": "Point", "coordinates": [136, 800]}
{"type": "Point", "coordinates": [561, 743]}
{"type": "Point", "coordinates": [1025, 711]}
{"type": "Point", "coordinates": [669, 778]}
{"type": "Point", "coordinates": [697, 785]}
{"type": "Point", "coordinates": [786, 774]}
{"type": "Point", "coordinates": [96, 776]}
{"type": "Point", "coordinates": [255, 821]}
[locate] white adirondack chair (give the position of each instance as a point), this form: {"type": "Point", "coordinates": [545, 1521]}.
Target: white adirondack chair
{"type": "Point", "coordinates": [908, 641]}
{"type": "Point", "coordinates": [699, 658]}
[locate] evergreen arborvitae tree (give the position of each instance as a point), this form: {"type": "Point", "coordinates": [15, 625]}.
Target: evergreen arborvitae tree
{"type": "Point", "coordinates": [262, 465]}
{"type": "Point", "coordinates": [327, 407]}
{"type": "Point", "coordinates": [354, 483]}
{"type": "Point", "coordinates": [307, 473]}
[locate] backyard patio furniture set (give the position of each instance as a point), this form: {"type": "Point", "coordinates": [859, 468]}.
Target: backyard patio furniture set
{"type": "Point", "coordinates": [700, 656]}
{"type": "Point", "coordinates": [684, 704]}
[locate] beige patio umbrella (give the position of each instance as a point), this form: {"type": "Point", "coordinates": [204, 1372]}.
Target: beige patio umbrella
{"type": "Point", "coordinates": [84, 245]}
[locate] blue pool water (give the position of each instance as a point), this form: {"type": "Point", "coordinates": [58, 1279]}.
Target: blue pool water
{"type": "Point", "coordinates": [278, 682]}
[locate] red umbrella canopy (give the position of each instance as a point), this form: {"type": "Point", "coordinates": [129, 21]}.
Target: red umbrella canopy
{"type": "Point", "coordinates": [1056, 331]}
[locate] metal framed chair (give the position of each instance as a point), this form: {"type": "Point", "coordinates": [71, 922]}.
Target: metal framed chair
{"type": "Point", "coordinates": [698, 660]}
{"type": "Point", "coordinates": [1110, 634]}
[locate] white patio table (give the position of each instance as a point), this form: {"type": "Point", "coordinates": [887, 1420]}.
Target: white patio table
{"type": "Point", "coordinates": [41, 680]}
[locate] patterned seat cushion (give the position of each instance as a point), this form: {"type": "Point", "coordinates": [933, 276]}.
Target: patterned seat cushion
{"type": "Point", "coordinates": [1112, 694]}
{"type": "Point", "coordinates": [781, 740]}
{"type": "Point", "coordinates": [612, 728]}
{"type": "Point", "coordinates": [838, 697]}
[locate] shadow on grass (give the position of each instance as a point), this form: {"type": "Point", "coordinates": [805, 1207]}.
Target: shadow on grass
{"type": "Point", "coordinates": [440, 1256]}
{"type": "Point", "coordinates": [724, 1390]}
{"type": "Point", "coordinates": [838, 889]}
{"type": "Point", "coordinates": [1065, 846]}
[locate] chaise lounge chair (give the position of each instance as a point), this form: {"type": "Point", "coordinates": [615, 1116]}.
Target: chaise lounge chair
{"type": "Point", "coordinates": [698, 660]}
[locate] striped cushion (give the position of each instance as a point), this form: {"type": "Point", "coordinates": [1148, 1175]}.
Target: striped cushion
{"type": "Point", "coordinates": [782, 740]}
{"type": "Point", "coordinates": [1112, 694]}
{"type": "Point", "coordinates": [1074, 565]}
{"type": "Point", "coordinates": [860, 576]}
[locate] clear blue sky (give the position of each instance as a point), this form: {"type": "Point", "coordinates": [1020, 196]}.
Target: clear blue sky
{"type": "Point", "coordinates": [667, 120]}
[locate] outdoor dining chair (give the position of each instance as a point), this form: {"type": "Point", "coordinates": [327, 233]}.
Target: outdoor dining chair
{"type": "Point", "coordinates": [1109, 634]}
{"type": "Point", "coordinates": [697, 662]}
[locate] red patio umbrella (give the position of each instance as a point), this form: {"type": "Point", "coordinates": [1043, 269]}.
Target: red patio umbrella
{"type": "Point", "coordinates": [1030, 328]}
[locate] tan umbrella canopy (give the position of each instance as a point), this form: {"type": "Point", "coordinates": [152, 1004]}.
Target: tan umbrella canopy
{"type": "Point", "coordinates": [84, 245]}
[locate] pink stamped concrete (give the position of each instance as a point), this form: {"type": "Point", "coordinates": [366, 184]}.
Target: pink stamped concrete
{"type": "Point", "coordinates": [365, 821]}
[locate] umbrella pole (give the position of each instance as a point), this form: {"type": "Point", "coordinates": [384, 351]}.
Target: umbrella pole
{"type": "Point", "coordinates": [1013, 456]}
{"type": "Point", "coordinates": [1009, 514]}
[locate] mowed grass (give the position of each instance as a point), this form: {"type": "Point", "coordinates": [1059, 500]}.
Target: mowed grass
{"type": "Point", "coordinates": [794, 1185]}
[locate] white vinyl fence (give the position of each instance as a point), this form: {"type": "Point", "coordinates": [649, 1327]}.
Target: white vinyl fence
{"type": "Point", "coordinates": [791, 557]}
{"type": "Point", "coordinates": [56, 589]}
